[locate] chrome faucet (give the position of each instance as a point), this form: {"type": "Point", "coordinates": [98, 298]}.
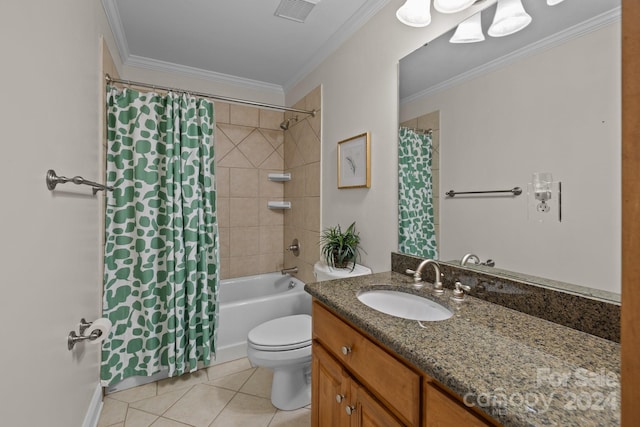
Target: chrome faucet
{"type": "Point", "coordinates": [458, 292]}
{"type": "Point", "coordinates": [292, 270]}
{"type": "Point", "coordinates": [468, 257]}
{"type": "Point", "coordinates": [417, 276]}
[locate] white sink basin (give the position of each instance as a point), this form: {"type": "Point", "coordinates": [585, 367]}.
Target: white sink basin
{"type": "Point", "coordinates": [402, 304]}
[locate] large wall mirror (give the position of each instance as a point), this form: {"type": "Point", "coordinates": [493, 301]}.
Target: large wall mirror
{"type": "Point", "coordinates": [546, 99]}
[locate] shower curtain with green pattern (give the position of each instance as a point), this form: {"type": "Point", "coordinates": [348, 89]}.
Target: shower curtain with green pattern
{"type": "Point", "coordinates": [416, 229]}
{"type": "Point", "coordinates": [161, 235]}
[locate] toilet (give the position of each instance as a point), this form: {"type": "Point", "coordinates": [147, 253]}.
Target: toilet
{"type": "Point", "coordinates": [284, 345]}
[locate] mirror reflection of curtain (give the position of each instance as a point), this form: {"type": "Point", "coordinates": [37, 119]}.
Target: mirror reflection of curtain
{"type": "Point", "coordinates": [161, 235]}
{"type": "Point", "coordinates": [416, 229]}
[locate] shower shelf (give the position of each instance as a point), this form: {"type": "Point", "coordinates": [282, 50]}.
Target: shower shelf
{"type": "Point", "coordinates": [278, 205]}
{"type": "Point", "coordinates": [279, 177]}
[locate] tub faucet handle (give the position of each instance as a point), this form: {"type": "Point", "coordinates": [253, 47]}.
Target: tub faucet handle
{"type": "Point", "coordinates": [294, 247]}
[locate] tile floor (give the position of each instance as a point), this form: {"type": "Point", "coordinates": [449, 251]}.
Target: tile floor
{"type": "Point", "coordinates": [226, 395]}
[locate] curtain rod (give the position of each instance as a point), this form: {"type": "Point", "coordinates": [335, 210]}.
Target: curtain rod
{"type": "Point", "coordinates": [110, 79]}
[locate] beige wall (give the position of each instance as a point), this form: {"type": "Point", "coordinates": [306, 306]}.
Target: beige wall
{"type": "Point", "coordinates": [425, 122]}
{"type": "Point", "coordinates": [50, 242]}
{"type": "Point", "coordinates": [249, 146]}
{"type": "Point", "coordinates": [542, 113]}
{"type": "Point", "coordinates": [302, 160]}
{"type": "Point", "coordinates": [360, 94]}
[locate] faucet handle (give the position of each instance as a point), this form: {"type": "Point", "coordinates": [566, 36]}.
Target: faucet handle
{"type": "Point", "coordinates": [458, 292]}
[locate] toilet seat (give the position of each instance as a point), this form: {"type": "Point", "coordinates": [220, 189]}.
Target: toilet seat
{"type": "Point", "coordinates": [284, 333]}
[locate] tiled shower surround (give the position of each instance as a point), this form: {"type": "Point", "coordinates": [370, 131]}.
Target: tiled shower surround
{"type": "Point", "coordinates": [249, 145]}
{"type": "Point", "coordinates": [302, 160]}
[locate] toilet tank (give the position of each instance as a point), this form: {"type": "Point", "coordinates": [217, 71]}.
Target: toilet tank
{"type": "Point", "coordinates": [323, 272]}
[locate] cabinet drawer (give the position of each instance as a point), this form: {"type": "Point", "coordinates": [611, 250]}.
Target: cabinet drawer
{"type": "Point", "coordinates": [384, 375]}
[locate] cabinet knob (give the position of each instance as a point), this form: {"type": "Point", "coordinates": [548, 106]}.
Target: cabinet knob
{"type": "Point", "coordinates": [339, 398]}
{"type": "Point", "coordinates": [346, 350]}
{"type": "Point", "coordinates": [350, 409]}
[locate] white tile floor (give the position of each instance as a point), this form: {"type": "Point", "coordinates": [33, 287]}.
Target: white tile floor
{"type": "Point", "coordinates": [226, 395]}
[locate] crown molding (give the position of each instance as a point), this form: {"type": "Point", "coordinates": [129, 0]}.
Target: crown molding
{"type": "Point", "coordinates": [163, 66]}
{"type": "Point", "coordinates": [115, 23]}
{"type": "Point", "coordinates": [552, 41]}
{"type": "Point", "coordinates": [353, 24]}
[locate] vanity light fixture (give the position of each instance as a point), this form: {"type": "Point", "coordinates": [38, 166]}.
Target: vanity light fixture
{"type": "Point", "coordinates": [452, 6]}
{"type": "Point", "coordinates": [510, 18]}
{"type": "Point", "coordinates": [415, 13]}
{"type": "Point", "coordinates": [469, 30]}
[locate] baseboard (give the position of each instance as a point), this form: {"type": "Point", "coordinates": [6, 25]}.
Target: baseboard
{"type": "Point", "coordinates": [95, 407]}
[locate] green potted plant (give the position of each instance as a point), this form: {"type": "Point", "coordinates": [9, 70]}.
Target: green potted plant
{"type": "Point", "coordinates": [339, 249]}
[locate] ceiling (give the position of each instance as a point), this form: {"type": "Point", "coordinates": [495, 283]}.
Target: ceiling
{"type": "Point", "coordinates": [242, 42]}
{"type": "Point", "coordinates": [233, 41]}
{"type": "Point", "coordinates": [440, 62]}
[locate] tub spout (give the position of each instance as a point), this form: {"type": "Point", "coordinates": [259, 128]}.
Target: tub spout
{"type": "Point", "coordinates": [292, 270]}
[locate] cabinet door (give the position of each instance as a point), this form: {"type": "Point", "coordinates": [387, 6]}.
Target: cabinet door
{"type": "Point", "coordinates": [443, 411]}
{"type": "Point", "coordinates": [368, 412]}
{"type": "Point", "coordinates": [330, 391]}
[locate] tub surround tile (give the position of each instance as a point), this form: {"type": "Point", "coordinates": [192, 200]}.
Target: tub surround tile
{"type": "Point", "coordinates": [275, 137]}
{"type": "Point", "coordinates": [235, 159]}
{"type": "Point", "coordinates": [274, 161]}
{"type": "Point", "coordinates": [256, 148]}
{"type": "Point", "coordinates": [270, 119]}
{"type": "Point", "coordinates": [236, 134]}
{"type": "Point", "coordinates": [486, 349]}
{"type": "Point", "coordinates": [221, 110]}
{"type": "Point", "coordinates": [243, 182]}
{"type": "Point", "coordinates": [244, 115]}
{"type": "Point", "coordinates": [243, 212]}
{"type": "Point", "coordinates": [246, 265]}
{"type": "Point", "coordinates": [222, 144]}
{"type": "Point", "coordinates": [590, 315]}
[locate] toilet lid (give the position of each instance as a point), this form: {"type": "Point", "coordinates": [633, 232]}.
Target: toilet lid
{"type": "Point", "coordinates": [284, 333]}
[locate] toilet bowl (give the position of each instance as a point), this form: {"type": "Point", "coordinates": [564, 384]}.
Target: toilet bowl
{"type": "Point", "coordinates": [284, 345]}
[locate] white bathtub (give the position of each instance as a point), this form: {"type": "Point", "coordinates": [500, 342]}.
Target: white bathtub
{"type": "Point", "coordinates": [246, 302]}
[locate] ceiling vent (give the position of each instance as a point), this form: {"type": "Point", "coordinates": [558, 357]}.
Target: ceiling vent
{"type": "Point", "coordinates": [295, 10]}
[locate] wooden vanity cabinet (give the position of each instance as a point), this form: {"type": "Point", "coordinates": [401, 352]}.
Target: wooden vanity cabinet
{"type": "Point", "coordinates": [357, 383]}
{"type": "Point", "coordinates": [442, 410]}
{"type": "Point", "coordinates": [338, 400]}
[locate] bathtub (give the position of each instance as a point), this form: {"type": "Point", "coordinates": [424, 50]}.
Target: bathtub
{"type": "Point", "coordinates": [246, 302]}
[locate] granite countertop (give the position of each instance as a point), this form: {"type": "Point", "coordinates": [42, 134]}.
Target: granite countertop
{"type": "Point", "coordinates": [519, 369]}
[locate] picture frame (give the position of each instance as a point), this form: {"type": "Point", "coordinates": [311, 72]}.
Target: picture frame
{"type": "Point", "coordinates": [354, 162]}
